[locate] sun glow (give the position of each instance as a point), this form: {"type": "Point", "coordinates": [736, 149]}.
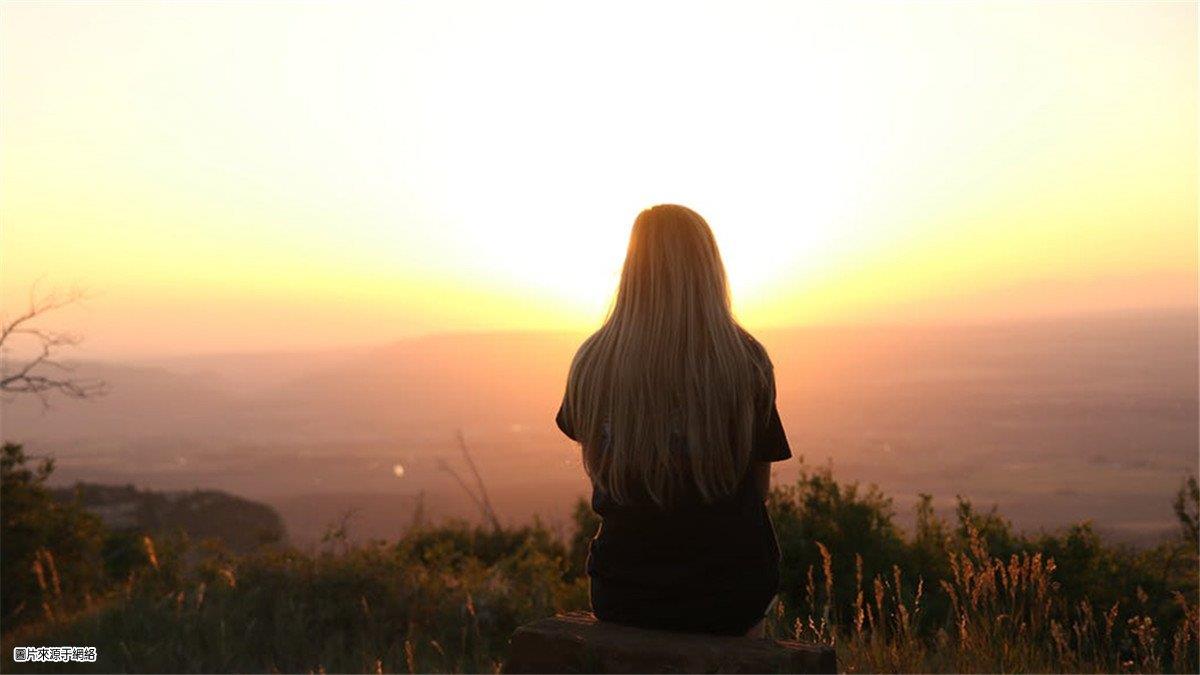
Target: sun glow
{"type": "Point", "coordinates": [229, 175]}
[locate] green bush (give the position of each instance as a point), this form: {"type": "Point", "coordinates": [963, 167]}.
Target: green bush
{"type": "Point", "coordinates": [51, 560]}
{"type": "Point", "coordinates": [964, 596]}
{"type": "Point", "coordinates": [978, 596]}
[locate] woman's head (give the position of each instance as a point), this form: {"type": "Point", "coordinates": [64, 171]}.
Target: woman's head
{"type": "Point", "coordinates": [670, 360]}
{"type": "Point", "coordinates": [673, 271]}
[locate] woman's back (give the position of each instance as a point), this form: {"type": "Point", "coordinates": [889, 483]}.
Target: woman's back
{"type": "Point", "coordinates": [695, 566]}
{"type": "Point", "coordinates": [673, 404]}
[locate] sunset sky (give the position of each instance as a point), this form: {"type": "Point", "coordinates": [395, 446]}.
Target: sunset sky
{"type": "Point", "coordinates": [243, 177]}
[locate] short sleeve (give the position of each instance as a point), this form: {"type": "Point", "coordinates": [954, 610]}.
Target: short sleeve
{"type": "Point", "coordinates": [770, 441]}
{"type": "Point", "coordinates": [564, 424]}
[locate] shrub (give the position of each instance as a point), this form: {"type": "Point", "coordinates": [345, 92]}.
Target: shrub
{"type": "Point", "coordinates": [52, 562]}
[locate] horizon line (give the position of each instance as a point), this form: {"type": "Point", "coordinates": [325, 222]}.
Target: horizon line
{"type": "Point", "coordinates": [1190, 311]}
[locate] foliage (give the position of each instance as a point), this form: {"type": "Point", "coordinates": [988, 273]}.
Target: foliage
{"type": "Point", "coordinates": [1187, 510]}
{"type": "Point", "coordinates": [51, 551]}
{"type": "Point", "coordinates": [966, 595]}
{"type": "Point", "coordinates": [819, 513]}
{"type": "Point", "coordinates": [587, 523]}
{"type": "Point", "coordinates": [976, 596]}
{"type": "Point", "coordinates": [457, 543]}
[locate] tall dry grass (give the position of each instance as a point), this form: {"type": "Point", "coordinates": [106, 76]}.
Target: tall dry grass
{"type": "Point", "coordinates": [971, 598]}
{"type": "Point", "coordinates": [1005, 616]}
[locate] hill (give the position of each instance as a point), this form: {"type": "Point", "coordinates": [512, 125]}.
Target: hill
{"type": "Point", "coordinates": [240, 524]}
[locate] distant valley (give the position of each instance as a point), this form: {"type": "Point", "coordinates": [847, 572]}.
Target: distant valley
{"type": "Point", "coordinates": [1054, 420]}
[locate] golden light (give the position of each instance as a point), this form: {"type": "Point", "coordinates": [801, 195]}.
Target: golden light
{"type": "Point", "coordinates": [307, 174]}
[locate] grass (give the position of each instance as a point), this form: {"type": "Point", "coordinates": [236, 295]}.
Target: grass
{"type": "Point", "coordinates": [1006, 616]}
{"type": "Point", "coordinates": [372, 608]}
{"type": "Point", "coordinates": [963, 596]}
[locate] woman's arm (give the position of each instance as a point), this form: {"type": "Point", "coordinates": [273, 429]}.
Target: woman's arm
{"type": "Point", "coordinates": [563, 422]}
{"type": "Point", "coordinates": [762, 478]}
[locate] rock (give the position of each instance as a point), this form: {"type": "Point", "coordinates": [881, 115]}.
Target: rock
{"type": "Point", "coordinates": [578, 643]}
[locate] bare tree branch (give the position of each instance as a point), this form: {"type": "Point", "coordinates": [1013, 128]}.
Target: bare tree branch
{"type": "Point", "coordinates": [31, 377]}
{"type": "Point", "coordinates": [482, 502]}
{"type": "Point", "coordinates": [483, 495]}
{"type": "Point", "coordinates": [444, 466]}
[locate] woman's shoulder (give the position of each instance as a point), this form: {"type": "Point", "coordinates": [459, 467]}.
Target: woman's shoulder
{"type": "Point", "coordinates": [763, 371]}
{"type": "Point", "coordinates": [587, 343]}
{"type": "Point", "coordinates": [757, 351]}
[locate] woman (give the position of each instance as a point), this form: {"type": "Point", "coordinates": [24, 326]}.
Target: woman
{"type": "Point", "coordinates": [674, 405]}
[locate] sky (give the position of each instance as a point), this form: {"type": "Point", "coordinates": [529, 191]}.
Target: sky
{"type": "Point", "coordinates": [283, 176]}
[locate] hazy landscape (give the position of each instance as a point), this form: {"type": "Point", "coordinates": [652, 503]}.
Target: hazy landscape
{"type": "Point", "coordinates": [1053, 420]}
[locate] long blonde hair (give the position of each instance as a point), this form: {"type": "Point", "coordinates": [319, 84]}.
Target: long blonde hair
{"type": "Point", "coordinates": [670, 357]}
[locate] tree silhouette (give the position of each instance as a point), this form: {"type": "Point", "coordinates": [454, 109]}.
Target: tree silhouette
{"type": "Point", "coordinates": [44, 374]}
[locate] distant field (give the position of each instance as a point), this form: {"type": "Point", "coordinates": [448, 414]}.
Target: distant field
{"type": "Point", "coordinates": [1055, 421]}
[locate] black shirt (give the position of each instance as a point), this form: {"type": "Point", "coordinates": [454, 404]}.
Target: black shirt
{"type": "Point", "coordinates": [694, 567]}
